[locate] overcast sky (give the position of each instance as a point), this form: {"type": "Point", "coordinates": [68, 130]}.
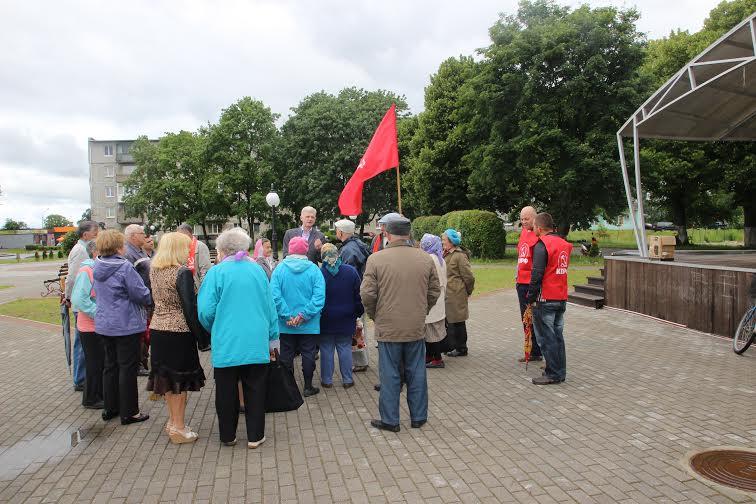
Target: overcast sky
{"type": "Point", "coordinates": [72, 70]}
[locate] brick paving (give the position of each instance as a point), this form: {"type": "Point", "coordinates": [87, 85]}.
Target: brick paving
{"type": "Point", "coordinates": [639, 396]}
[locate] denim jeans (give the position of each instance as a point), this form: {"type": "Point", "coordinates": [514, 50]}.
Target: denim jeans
{"type": "Point", "coordinates": [522, 292]}
{"type": "Point", "coordinates": [77, 361]}
{"type": "Point", "coordinates": [390, 358]}
{"type": "Point", "coordinates": [548, 325]}
{"type": "Point", "coordinates": [305, 344]}
{"type": "Point", "coordinates": [341, 344]}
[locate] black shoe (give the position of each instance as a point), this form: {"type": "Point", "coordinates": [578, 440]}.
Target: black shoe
{"type": "Point", "coordinates": [78, 388]}
{"type": "Point", "coordinates": [377, 387]}
{"type": "Point", "coordinates": [457, 353]}
{"type": "Point", "coordinates": [417, 424]}
{"type": "Point", "coordinates": [359, 369]}
{"type": "Point", "coordinates": [229, 443]}
{"type": "Point", "coordinates": [97, 405]}
{"type": "Point", "coordinates": [141, 417]}
{"type": "Point", "coordinates": [378, 424]}
{"type": "Point", "coordinates": [348, 385]}
{"type": "Point", "coordinates": [326, 385]}
{"type": "Point", "coordinates": [143, 371]}
{"type": "Point", "coordinates": [545, 380]}
{"type": "Point", "coordinates": [311, 391]}
{"type": "Point", "coordinates": [109, 415]}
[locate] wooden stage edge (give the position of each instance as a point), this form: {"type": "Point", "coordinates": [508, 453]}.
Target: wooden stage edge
{"type": "Point", "coordinates": [708, 292]}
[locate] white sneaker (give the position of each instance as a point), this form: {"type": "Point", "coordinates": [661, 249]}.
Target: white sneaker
{"type": "Point", "coordinates": [254, 444]}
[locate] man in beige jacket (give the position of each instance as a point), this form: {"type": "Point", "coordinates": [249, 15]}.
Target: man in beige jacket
{"type": "Point", "coordinates": [398, 289]}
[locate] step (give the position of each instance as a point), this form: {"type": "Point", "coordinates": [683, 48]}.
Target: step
{"type": "Point", "coordinates": [586, 299]}
{"type": "Point", "coordinates": [596, 290]}
{"type": "Point", "coordinates": [603, 273]}
{"type": "Point", "coordinates": [596, 281]}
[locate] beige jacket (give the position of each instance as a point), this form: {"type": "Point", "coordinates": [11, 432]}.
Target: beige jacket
{"type": "Point", "coordinates": [438, 312]}
{"type": "Point", "coordinates": [461, 283]}
{"type": "Point", "coordinates": [398, 289]}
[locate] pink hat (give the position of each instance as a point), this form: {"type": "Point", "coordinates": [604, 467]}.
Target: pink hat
{"type": "Point", "coordinates": [298, 245]}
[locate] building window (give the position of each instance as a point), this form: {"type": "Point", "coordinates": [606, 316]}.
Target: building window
{"type": "Point", "coordinates": [257, 227]}
{"type": "Point", "coordinates": [127, 169]}
{"type": "Point", "coordinates": [214, 228]}
{"type": "Point", "coordinates": [108, 150]}
{"type": "Point", "coordinates": [123, 148]}
{"type": "Point", "coordinates": [110, 213]}
{"type": "Point", "coordinates": [109, 192]}
{"type": "Point", "coordinates": [119, 191]}
{"type": "Point", "coordinates": [110, 171]}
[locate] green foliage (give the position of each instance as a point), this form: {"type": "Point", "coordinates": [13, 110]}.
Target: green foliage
{"type": "Point", "coordinates": [12, 225]}
{"type": "Point", "coordinates": [426, 224]}
{"type": "Point", "coordinates": [68, 242]}
{"type": "Point", "coordinates": [44, 254]}
{"type": "Point", "coordinates": [60, 254]}
{"type": "Point", "coordinates": [56, 220]}
{"type": "Point", "coordinates": [482, 232]}
{"type": "Point", "coordinates": [594, 250]}
{"type": "Point", "coordinates": [87, 215]}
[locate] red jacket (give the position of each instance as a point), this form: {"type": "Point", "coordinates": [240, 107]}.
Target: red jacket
{"type": "Point", "coordinates": [554, 285]}
{"type": "Point", "coordinates": [528, 239]}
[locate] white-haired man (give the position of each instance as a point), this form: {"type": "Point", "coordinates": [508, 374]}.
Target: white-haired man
{"type": "Point", "coordinates": [309, 232]}
{"type": "Point", "coordinates": [135, 240]}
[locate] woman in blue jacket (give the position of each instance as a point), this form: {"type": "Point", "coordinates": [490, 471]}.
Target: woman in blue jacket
{"type": "Point", "coordinates": [299, 293]}
{"type": "Point", "coordinates": [343, 307]}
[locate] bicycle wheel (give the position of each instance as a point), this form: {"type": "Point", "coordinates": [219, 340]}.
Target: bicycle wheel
{"type": "Point", "coordinates": [744, 334]}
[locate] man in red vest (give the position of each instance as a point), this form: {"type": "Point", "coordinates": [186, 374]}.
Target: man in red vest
{"type": "Point", "coordinates": [548, 294]}
{"type": "Point", "coordinates": [528, 239]}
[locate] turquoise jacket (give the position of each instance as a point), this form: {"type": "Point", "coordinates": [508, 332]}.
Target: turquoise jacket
{"type": "Point", "coordinates": [80, 294]}
{"type": "Point", "coordinates": [298, 288]}
{"type": "Point", "coordinates": [235, 305]}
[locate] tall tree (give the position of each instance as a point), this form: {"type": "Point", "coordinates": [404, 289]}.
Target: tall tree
{"type": "Point", "coordinates": [86, 215]}
{"type": "Point", "coordinates": [241, 149]}
{"type": "Point", "coordinates": [14, 225]}
{"type": "Point", "coordinates": [322, 143]}
{"type": "Point", "coordinates": [56, 220]}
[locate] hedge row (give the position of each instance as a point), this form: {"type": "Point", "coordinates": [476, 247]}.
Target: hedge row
{"type": "Point", "coordinates": [39, 247]}
{"type": "Point", "coordinates": [482, 231]}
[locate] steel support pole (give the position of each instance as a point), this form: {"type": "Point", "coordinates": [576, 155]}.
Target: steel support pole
{"type": "Point", "coordinates": [628, 192]}
{"type": "Point", "coordinates": [639, 190]}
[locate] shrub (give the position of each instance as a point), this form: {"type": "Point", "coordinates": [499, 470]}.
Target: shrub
{"type": "Point", "coordinates": [483, 232]}
{"type": "Point", "coordinates": [69, 241]}
{"type": "Point", "coordinates": [426, 224]}
{"type": "Point", "coordinates": [60, 254]}
{"type": "Point", "coordinates": [44, 253]}
{"type": "Point", "coordinates": [31, 247]}
{"type": "Point", "coordinates": [36, 255]}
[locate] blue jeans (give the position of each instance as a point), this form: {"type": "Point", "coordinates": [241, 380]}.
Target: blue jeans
{"type": "Point", "coordinates": [79, 368]}
{"type": "Point", "coordinates": [342, 344]}
{"type": "Point", "coordinates": [548, 325]}
{"type": "Point", "coordinates": [390, 358]}
{"type": "Point", "coordinates": [522, 292]}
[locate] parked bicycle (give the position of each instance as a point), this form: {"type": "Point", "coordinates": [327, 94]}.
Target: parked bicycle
{"type": "Point", "coordinates": [744, 334]}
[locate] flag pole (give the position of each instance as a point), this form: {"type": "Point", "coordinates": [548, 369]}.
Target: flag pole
{"type": "Point", "coordinates": [399, 190]}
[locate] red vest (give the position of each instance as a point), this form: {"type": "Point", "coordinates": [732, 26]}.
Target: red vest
{"type": "Point", "coordinates": [525, 255]}
{"type": "Point", "coordinates": [554, 286]}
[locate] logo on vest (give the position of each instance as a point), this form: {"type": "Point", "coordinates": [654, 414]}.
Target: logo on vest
{"type": "Point", "coordinates": [562, 262]}
{"type": "Point", "coordinates": [523, 255]}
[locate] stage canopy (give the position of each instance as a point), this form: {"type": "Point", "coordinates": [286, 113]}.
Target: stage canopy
{"type": "Point", "coordinates": [711, 98]}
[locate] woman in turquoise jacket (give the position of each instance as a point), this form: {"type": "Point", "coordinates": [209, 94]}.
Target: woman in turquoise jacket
{"type": "Point", "coordinates": [235, 305]}
{"type": "Point", "coordinates": [299, 293]}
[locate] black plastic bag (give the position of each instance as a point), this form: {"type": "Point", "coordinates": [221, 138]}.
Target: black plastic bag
{"type": "Point", "coordinates": [282, 393]}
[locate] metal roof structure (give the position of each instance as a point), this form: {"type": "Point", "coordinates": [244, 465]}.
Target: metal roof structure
{"type": "Point", "coordinates": [712, 98]}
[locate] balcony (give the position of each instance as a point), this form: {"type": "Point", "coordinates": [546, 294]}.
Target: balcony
{"type": "Point", "coordinates": [122, 219]}
{"type": "Point", "coordinates": [124, 158]}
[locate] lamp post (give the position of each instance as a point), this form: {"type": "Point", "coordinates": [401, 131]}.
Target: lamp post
{"type": "Point", "coordinates": [273, 201]}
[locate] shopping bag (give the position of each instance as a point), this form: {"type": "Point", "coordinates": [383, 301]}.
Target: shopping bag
{"type": "Point", "coordinates": [282, 392]}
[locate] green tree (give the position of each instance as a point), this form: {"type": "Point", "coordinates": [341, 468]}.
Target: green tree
{"type": "Point", "coordinates": [13, 225]}
{"type": "Point", "coordinates": [322, 143]}
{"type": "Point", "coordinates": [68, 242]}
{"type": "Point", "coordinates": [87, 215]}
{"type": "Point", "coordinates": [241, 149]}
{"type": "Point", "coordinates": [56, 220]}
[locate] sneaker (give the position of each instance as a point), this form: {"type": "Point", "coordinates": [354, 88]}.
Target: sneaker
{"type": "Point", "coordinates": [457, 353]}
{"type": "Point", "coordinates": [435, 364]}
{"type": "Point", "coordinates": [311, 391]}
{"type": "Point", "coordinates": [254, 444]}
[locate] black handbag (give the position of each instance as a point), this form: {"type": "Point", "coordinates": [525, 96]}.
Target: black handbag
{"type": "Point", "coordinates": [282, 391]}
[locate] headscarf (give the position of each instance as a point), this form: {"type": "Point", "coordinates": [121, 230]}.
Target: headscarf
{"type": "Point", "coordinates": [453, 236]}
{"type": "Point", "coordinates": [239, 256]}
{"type": "Point", "coordinates": [432, 245]}
{"type": "Point", "coordinates": [331, 260]}
{"type": "Point", "coordinates": [298, 245]}
{"type": "Point", "coordinates": [258, 249]}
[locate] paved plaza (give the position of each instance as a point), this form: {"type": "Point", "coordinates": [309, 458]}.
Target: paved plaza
{"type": "Point", "coordinates": [639, 396]}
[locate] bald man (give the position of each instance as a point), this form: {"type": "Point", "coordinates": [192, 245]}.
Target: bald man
{"type": "Point", "coordinates": [528, 239]}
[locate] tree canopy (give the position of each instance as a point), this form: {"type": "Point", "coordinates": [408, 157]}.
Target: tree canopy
{"type": "Point", "coordinates": [56, 220]}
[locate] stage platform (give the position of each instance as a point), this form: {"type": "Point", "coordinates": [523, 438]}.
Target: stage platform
{"type": "Point", "coordinates": [704, 290]}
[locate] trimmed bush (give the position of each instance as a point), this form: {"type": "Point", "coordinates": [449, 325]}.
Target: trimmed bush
{"type": "Point", "coordinates": [60, 254]}
{"type": "Point", "coordinates": [31, 247]}
{"type": "Point", "coordinates": [483, 232]}
{"type": "Point", "coordinates": [426, 224]}
{"type": "Point", "coordinates": [36, 255]}
{"type": "Point", "coordinates": [44, 253]}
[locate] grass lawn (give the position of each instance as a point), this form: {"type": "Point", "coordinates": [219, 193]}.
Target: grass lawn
{"type": "Point", "coordinates": [39, 309]}
{"type": "Point", "coordinates": [5, 287]}
{"type": "Point", "coordinates": [625, 238]}
{"type": "Point", "coordinates": [511, 260]}
{"type": "Point", "coordinates": [491, 279]}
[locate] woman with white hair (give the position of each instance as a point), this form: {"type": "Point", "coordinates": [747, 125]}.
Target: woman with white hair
{"type": "Point", "coordinates": [236, 306]}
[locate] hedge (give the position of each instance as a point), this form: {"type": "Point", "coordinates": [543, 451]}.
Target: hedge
{"type": "Point", "coordinates": [426, 224]}
{"type": "Point", "coordinates": [482, 232]}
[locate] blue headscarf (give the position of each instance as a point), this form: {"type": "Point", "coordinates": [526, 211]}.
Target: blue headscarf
{"type": "Point", "coordinates": [453, 236]}
{"type": "Point", "coordinates": [432, 245]}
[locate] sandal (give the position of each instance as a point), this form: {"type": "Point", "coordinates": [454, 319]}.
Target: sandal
{"type": "Point", "coordinates": [183, 436]}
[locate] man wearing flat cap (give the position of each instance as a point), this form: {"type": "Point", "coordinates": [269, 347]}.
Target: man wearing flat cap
{"type": "Point", "coordinates": [379, 240]}
{"type": "Point", "coordinates": [398, 289]}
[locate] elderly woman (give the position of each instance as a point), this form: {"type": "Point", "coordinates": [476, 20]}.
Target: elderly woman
{"type": "Point", "coordinates": [83, 302]}
{"type": "Point", "coordinates": [120, 320]}
{"type": "Point", "coordinates": [435, 323]}
{"type": "Point", "coordinates": [236, 306]}
{"type": "Point", "coordinates": [263, 256]}
{"type": "Point", "coordinates": [459, 286]}
{"type": "Point", "coordinates": [343, 307]}
{"type": "Point", "coordinates": [299, 293]}
{"type": "Point", "coordinates": [174, 333]}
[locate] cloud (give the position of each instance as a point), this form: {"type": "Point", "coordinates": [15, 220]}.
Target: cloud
{"type": "Point", "coordinates": [58, 155]}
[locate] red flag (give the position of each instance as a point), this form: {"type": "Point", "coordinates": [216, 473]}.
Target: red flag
{"type": "Point", "coordinates": [382, 154]}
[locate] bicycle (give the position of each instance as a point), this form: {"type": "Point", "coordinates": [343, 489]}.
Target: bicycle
{"type": "Point", "coordinates": [744, 334]}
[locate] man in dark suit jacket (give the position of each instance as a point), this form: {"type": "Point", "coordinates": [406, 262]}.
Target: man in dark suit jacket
{"type": "Point", "coordinates": [309, 232]}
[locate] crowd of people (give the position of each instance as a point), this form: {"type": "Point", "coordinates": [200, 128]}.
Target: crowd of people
{"type": "Point", "coordinates": [141, 309]}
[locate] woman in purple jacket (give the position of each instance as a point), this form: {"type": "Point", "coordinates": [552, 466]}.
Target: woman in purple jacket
{"type": "Point", "coordinates": [120, 320]}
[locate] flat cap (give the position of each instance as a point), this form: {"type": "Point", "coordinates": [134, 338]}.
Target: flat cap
{"type": "Point", "coordinates": [345, 225]}
{"type": "Point", "coordinates": [388, 217]}
{"type": "Point", "coordinates": [399, 225]}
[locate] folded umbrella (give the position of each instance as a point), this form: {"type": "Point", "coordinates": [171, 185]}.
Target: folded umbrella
{"type": "Point", "coordinates": [65, 319]}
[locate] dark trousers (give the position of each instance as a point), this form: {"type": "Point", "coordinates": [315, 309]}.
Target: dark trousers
{"type": "Point", "coordinates": [433, 351]}
{"type": "Point", "coordinates": [119, 377]}
{"type": "Point", "coordinates": [522, 292]}
{"type": "Point", "coordinates": [305, 344]}
{"type": "Point", "coordinates": [254, 381]}
{"type": "Point", "coordinates": [457, 334]}
{"type": "Point", "coordinates": [548, 325]}
{"type": "Point", "coordinates": [144, 350]}
{"type": "Point", "coordinates": [94, 359]}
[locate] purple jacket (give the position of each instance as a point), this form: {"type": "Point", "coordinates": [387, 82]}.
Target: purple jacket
{"type": "Point", "coordinates": [121, 297]}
